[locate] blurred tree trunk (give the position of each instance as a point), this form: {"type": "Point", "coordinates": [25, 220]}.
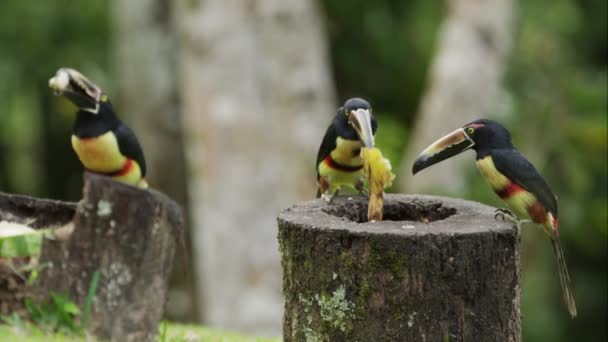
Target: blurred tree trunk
{"type": "Point", "coordinates": [258, 96]}
{"type": "Point", "coordinates": [464, 84]}
{"type": "Point", "coordinates": [145, 42]}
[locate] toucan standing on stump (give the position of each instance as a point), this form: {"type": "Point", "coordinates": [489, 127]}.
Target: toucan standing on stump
{"type": "Point", "coordinates": [102, 142]}
{"type": "Point", "coordinates": [512, 177]}
{"type": "Point", "coordinates": [339, 160]}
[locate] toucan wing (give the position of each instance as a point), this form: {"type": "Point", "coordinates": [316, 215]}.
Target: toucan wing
{"type": "Point", "coordinates": [513, 165]}
{"type": "Point", "coordinates": [328, 144]}
{"type": "Point", "coordinates": [129, 146]}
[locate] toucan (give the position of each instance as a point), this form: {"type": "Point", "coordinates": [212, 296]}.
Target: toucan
{"type": "Point", "coordinates": [339, 162]}
{"type": "Point", "coordinates": [102, 142]}
{"type": "Point", "coordinates": [512, 177]}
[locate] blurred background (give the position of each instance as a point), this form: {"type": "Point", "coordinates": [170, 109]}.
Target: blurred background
{"type": "Point", "coordinates": [230, 101]}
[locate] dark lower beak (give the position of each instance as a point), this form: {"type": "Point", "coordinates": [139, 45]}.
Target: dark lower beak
{"type": "Point", "coordinates": [361, 120]}
{"type": "Point", "coordinates": [444, 148]}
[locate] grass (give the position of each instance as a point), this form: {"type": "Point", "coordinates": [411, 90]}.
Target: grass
{"type": "Point", "coordinates": [187, 332]}
{"type": "Point", "coordinates": [28, 332]}
{"type": "Point", "coordinates": [169, 332]}
{"type": "Point", "coordinates": [89, 300]}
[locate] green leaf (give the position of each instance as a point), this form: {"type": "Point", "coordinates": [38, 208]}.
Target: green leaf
{"type": "Point", "coordinates": [89, 301]}
{"type": "Point", "coordinates": [27, 244]}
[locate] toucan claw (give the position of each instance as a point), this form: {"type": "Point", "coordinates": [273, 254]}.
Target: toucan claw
{"type": "Point", "coordinates": [329, 198]}
{"type": "Point", "coordinates": [360, 187]}
{"type": "Point", "coordinates": [505, 214]}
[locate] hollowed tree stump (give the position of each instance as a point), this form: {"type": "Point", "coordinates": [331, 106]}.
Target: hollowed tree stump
{"type": "Point", "coordinates": [437, 269]}
{"type": "Point", "coordinates": [126, 234]}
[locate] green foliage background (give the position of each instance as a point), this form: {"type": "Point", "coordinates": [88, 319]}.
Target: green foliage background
{"type": "Point", "coordinates": [557, 84]}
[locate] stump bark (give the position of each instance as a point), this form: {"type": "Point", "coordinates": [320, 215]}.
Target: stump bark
{"type": "Point", "coordinates": [436, 269]}
{"type": "Point", "coordinates": [126, 234]}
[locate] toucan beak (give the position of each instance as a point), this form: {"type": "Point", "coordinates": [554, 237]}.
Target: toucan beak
{"type": "Point", "coordinates": [76, 88]}
{"type": "Point", "coordinates": [444, 148]}
{"type": "Point", "coordinates": [361, 120]}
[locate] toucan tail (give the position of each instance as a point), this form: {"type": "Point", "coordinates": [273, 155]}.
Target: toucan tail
{"type": "Point", "coordinates": [564, 277]}
{"type": "Point", "coordinates": [142, 183]}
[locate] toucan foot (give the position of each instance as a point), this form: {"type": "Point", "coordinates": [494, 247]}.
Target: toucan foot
{"type": "Point", "coordinates": [328, 197]}
{"type": "Point", "coordinates": [360, 187]}
{"type": "Point", "coordinates": [505, 214]}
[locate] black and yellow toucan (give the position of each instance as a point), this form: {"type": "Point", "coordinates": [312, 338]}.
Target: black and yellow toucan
{"type": "Point", "coordinates": [512, 177]}
{"type": "Point", "coordinates": [339, 160]}
{"type": "Point", "coordinates": [102, 142]}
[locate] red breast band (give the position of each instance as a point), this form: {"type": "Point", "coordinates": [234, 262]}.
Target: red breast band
{"type": "Point", "coordinates": [555, 224]}
{"type": "Point", "coordinates": [509, 190]}
{"type": "Point", "coordinates": [126, 168]}
{"type": "Point", "coordinates": [340, 167]}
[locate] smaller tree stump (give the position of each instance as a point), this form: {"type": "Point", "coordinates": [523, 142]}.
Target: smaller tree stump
{"type": "Point", "coordinates": [436, 269]}
{"type": "Point", "coordinates": [35, 213]}
{"type": "Point", "coordinates": [126, 234]}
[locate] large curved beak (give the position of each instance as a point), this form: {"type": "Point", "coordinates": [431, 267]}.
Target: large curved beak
{"type": "Point", "coordinates": [444, 148]}
{"type": "Point", "coordinates": [361, 120]}
{"type": "Point", "coordinates": [76, 88]}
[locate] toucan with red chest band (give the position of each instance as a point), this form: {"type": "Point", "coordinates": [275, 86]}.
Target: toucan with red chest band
{"type": "Point", "coordinates": [512, 177]}
{"type": "Point", "coordinates": [102, 142]}
{"type": "Point", "coordinates": [339, 163]}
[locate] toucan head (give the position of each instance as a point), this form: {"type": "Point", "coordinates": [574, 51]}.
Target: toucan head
{"type": "Point", "coordinates": [83, 93]}
{"type": "Point", "coordinates": [355, 121]}
{"type": "Point", "coordinates": [480, 135]}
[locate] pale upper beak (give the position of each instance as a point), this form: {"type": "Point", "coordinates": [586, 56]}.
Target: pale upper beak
{"type": "Point", "coordinates": [444, 148]}
{"type": "Point", "coordinates": [361, 120]}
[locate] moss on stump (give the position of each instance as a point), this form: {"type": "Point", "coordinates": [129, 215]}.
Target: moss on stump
{"type": "Point", "coordinates": [437, 269]}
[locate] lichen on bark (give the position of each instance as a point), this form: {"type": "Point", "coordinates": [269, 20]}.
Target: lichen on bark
{"type": "Point", "coordinates": [325, 313]}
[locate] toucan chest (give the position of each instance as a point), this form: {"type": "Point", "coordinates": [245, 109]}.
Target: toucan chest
{"type": "Point", "coordinates": [488, 170]}
{"type": "Point", "coordinates": [347, 152]}
{"type": "Point", "coordinates": [100, 153]}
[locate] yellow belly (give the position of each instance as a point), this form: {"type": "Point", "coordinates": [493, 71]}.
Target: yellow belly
{"type": "Point", "coordinates": [99, 154]}
{"type": "Point", "coordinates": [338, 179]}
{"type": "Point", "coordinates": [345, 154]}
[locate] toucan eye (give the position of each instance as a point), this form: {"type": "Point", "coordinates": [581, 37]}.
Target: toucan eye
{"type": "Point", "coordinates": [471, 130]}
{"type": "Point", "coordinates": [104, 98]}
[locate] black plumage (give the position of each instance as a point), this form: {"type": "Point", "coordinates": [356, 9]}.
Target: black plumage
{"type": "Point", "coordinates": [513, 165]}
{"type": "Point", "coordinates": [89, 125]}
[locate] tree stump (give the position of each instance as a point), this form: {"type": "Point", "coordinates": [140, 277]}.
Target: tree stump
{"type": "Point", "coordinates": [126, 234]}
{"type": "Point", "coordinates": [436, 269]}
